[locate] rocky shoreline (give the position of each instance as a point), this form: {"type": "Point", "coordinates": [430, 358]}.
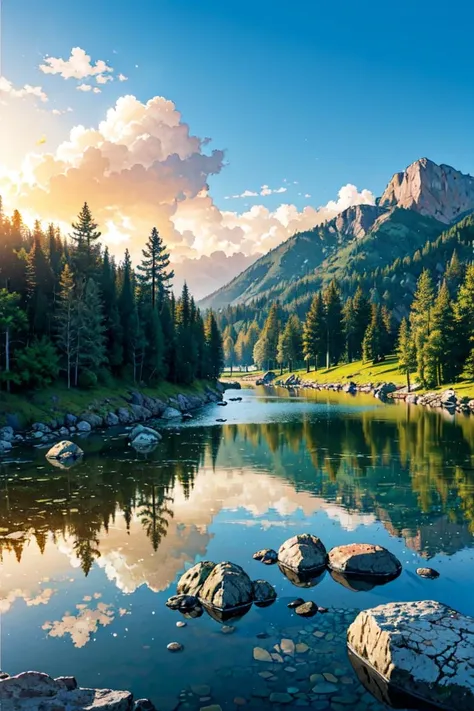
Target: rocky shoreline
{"type": "Point", "coordinates": [384, 391]}
{"type": "Point", "coordinates": [140, 407]}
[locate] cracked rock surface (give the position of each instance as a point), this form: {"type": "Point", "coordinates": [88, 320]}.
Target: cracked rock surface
{"type": "Point", "coordinates": [302, 553]}
{"type": "Point", "coordinates": [424, 648]}
{"type": "Point", "coordinates": [364, 559]}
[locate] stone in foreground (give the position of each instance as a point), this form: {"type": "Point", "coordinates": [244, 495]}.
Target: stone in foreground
{"type": "Point", "coordinates": [429, 573]}
{"type": "Point", "coordinates": [191, 582]}
{"type": "Point", "coordinates": [302, 553]}
{"type": "Point", "coordinates": [266, 555]}
{"type": "Point", "coordinates": [227, 586]}
{"type": "Point", "coordinates": [263, 593]}
{"type": "Point", "coordinates": [307, 609]}
{"type": "Point", "coordinates": [424, 648]}
{"type": "Point", "coordinates": [64, 450]}
{"type": "Point", "coordinates": [364, 559]}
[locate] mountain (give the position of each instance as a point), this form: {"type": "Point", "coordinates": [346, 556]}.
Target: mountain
{"type": "Point", "coordinates": [415, 207]}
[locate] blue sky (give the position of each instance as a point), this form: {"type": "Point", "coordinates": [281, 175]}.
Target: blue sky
{"type": "Point", "coordinates": [316, 92]}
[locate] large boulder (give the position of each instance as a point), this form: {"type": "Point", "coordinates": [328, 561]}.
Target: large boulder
{"type": "Point", "coordinates": [191, 582]}
{"type": "Point", "coordinates": [124, 415]}
{"type": "Point", "coordinates": [111, 419]}
{"type": "Point", "coordinates": [449, 400]}
{"type": "Point", "coordinates": [302, 553]}
{"type": "Point", "coordinates": [422, 648]}
{"type": "Point", "coordinates": [93, 419]}
{"type": "Point", "coordinates": [64, 450]}
{"type": "Point", "coordinates": [7, 434]}
{"type": "Point", "coordinates": [171, 413]}
{"type": "Point", "coordinates": [142, 430]}
{"type": "Point", "coordinates": [5, 446]}
{"type": "Point", "coordinates": [226, 587]}
{"type": "Point", "coordinates": [84, 426]}
{"type": "Point", "coordinates": [365, 560]}
{"type": "Point", "coordinates": [263, 593]}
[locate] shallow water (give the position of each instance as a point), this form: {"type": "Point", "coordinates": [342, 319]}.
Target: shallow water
{"type": "Point", "coordinates": [90, 555]}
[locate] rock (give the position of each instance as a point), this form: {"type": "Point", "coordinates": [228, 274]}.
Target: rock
{"type": "Point", "coordinates": [305, 579]}
{"type": "Point", "coordinates": [142, 430]}
{"type": "Point", "coordinates": [427, 573]}
{"type": "Point", "coordinates": [268, 377]}
{"type": "Point", "coordinates": [191, 582]}
{"type": "Point", "coordinates": [280, 697]}
{"type": "Point", "coordinates": [64, 450]}
{"type": "Point", "coordinates": [266, 555]}
{"type": "Point", "coordinates": [124, 415]}
{"type": "Point", "coordinates": [83, 426]}
{"type": "Point", "coordinates": [228, 629]}
{"type": "Point", "coordinates": [302, 553]}
{"type": "Point", "coordinates": [184, 407]}
{"type": "Point", "coordinates": [92, 419]}
{"type": "Point", "coordinates": [365, 560]}
{"type": "Point", "coordinates": [437, 191]}
{"type": "Point", "coordinates": [144, 442]}
{"type": "Point", "coordinates": [140, 413]}
{"type": "Point", "coordinates": [181, 623]}
{"type": "Point", "coordinates": [38, 435]}
{"type": "Point", "coordinates": [187, 416]}
{"type": "Point", "coordinates": [261, 655]}
{"type": "Point", "coordinates": [227, 586]}
{"type": "Point", "coordinates": [263, 593]}
{"type": "Point", "coordinates": [143, 705]}
{"type": "Point", "coordinates": [232, 385]}
{"type": "Point", "coordinates": [3, 675]}
{"type": "Point", "coordinates": [40, 427]}
{"type": "Point", "coordinates": [63, 432]}
{"type": "Point", "coordinates": [307, 609]}
{"type": "Point", "coordinates": [422, 648]}
{"type": "Point", "coordinates": [174, 647]}
{"type": "Point", "coordinates": [214, 707]}
{"type": "Point", "coordinates": [296, 603]}
{"type": "Point", "coordinates": [383, 390]}
{"type": "Point", "coordinates": [183, 603]}
{"type": "Point", "coordinates": [111, 419]}
{"type": "Point", "coordinates": [201, 689]}
{"type": "Point", "coordinates": [70, 420]}
{"type": "Point", "coordinates": [287, 646]}
{"type": "Point", "coordinates": [5, 446]}
{"type": "Point", "coordinates": [170, 413]}
{"type": "Point", "coordinates": [325, 687]}
{"type": "Point", "coordinates": [222, 404]}
{"type": "Point", "coordinates": [69, 682]}
{"type": "Point", "coordinates": [6, 434]}
{"type": "Point", "coordinates": [449, 399]}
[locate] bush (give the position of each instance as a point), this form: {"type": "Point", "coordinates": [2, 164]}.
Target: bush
{"type": "Point", "coordinates": [87, 380]}
{"type": "Point", "coordinates": [38, 364]}
{"type": "Point", "coordinates": [105, 377]}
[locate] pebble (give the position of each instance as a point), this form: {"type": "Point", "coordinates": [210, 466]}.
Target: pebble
{"type": "Point", "coordinates": [292, 690]}
{"type": "Point", "coordinates": [214, 707]}
{"type": "Point", "coordinates": [429, 573]}
{"type": "Point", "coordinates": [325, 688]}
{"type": "Point", "coordinates": [346, 699]}
{"type": "Point", "coordinates": [330, 677]}
{"type": "Point", "coordinates": [181, 624]}
{"type": "Point", "coordinates": [280, 697]}
{"type": "Point", "coordinates": [308, 609]}
{"type": "Point", "coordinates": [175, 647]}
{"type": "Point", "coordinates": [277, 658]}
{"type": "Point", "coordinates": [239, 701]}
{"type": "Point", "coordinates": [316, 678]}
{"type": "Point", "coordinates": [201, 690]}
{"type": "Point", "coordinates": [290, 670]}
{"type": "Point", "coordinates": [296, 603]}
{"type": "Point", "coordinates": [347, 680]}
{"type": "Point", "coordinates": [228, 629]}
{"type": "Point", "coordinates": [318, 634]}
{"type": "Point", "coordinates": [302, 648]}
{"type": "Point", "coordinates": [261, 655]}
{"type": "Point", "coordinates": [287, 646]}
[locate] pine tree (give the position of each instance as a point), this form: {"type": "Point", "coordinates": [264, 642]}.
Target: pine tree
{"type": "Point", "coordinates": [265, 351]}
{"type": "Point", "coordinates": [113, 332]}
{"type": "Point", "coordinates": [66, 322]}
{"type": "Point", "coordinates": [406, 351]}
{"type": "Point", "coordinates": [12, 319]}
{"type": "Point", "coordinates": [439, 355]}
{"type": "Point", "coordinates": [186, 352]}
{"type": "Point", "coordinates": [154, 272]}
{"type": "Point", "coordinates": [464, 319]}
{"type": "Point", "coordinates": [214, 348]}
{"type": "Point", "coordinates": [40, 287]}
{"type": "Point", "coordinates": [315, 333]}
{"type": "Point", "coordinates": [348, 316]}
{"type": "Point", "coordinates": [229, 353]}
{"type": "Point", "coordinates": [290, 344]}
{"type": "Point", "coordinates": [362, 316]}
{"type": "Point", "coordinates": [375, 339]}
{"type": "Point", "coordinates": [84, 236]}
{"type": "Point", "coordinates": [334, 325]}
{"type": "Point", "coordinates": [90, 353]}
{"type": "Point", "coordinates": [128, 315]}
{"type": "Point", "coordinates": [420, 320]}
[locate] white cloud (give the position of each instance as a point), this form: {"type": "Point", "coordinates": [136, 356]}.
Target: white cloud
{"type": "Point", "coordinates": [122, 77]}
{"type": "Point", "coordinates": [77, 66]}
{"type": "Point", "coordinates": [7, 89]}
{"type": "Point", "coordinates": [60, 112]}
{"type": "Point", "coordinates": [88, 87]}
{"type": "Point", "coordinates": [103, 78]}
{"type": "Point", "coordinates": [264, 191]}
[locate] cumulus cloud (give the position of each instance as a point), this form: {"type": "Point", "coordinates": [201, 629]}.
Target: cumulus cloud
{"type": "Point", "coordinates": [77, 66]}
{"type": "Point", "coordinates": [88, 87]}
{"type": "Point", "coordinates": [141, 167]}
{"type": "Point", "coordinates": [8, 90]}
{"type": "Point", "coordinates": [60, 112]}
{"type": "Point", "coordinates": [264, 191]}
{"type": "Point", "coordinates": [122, 77]}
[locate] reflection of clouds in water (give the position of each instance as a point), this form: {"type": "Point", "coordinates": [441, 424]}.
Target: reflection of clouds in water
{"type": "Point", "coordinates": [80, 627]}
{"type": "Point", "coordinates": [41, 598]}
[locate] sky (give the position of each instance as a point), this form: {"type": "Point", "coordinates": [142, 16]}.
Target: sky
{"type": "Point", "coordinates": [228, 125]}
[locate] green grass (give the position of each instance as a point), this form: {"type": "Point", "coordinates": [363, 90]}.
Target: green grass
{"type": "Point", "coordinates": [47, 404]}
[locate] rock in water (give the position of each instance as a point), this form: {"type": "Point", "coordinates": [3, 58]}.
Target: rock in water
{"type": "Point", "coordinates": [226, 587]}
{"type": "Point", "coordinates": [302, 553]}
{"type": "Point", "coordinates": [427, 573]}
{"type": "Point", "coordinates": [191, 582]}
{"type": "Point", "coordinates": [263, 593]}
{"type": "Point", "coordinates": [296, 603]}
{"type": "Point", "coordinates": [411, 645]}
{"type": "Point", "coordinates": [149, 432]}
{"type": "Point", "coordinates": [171, 413]}
{"type": "Point", "coordinates": [64, 450]}
{"type": "Point", "coordinates": [307, 609]}
{"type": "Point", "coordinates": [183, 603]}
{"type": "Point", "coordinates": [174, 647]}
{"type": "Point", "coordinates": [365, 560]}
{"type": "Point", "coordinates": [266, 555]}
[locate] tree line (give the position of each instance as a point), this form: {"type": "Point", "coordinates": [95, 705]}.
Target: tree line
{"type": "Point", "coordinates": [435, 341]}
{"type": "Point", "coordinates": [67, 308]}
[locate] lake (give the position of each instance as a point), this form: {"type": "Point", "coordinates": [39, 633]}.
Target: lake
{"type": "Point", "coordinates": [90, 555]}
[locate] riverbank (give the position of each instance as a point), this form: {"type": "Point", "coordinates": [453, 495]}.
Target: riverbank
{"type": "Point", "coordinates": [57, 412]}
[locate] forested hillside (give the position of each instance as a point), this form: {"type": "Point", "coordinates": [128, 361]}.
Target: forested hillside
{"type": "Point", "coordinates": [68, 311]}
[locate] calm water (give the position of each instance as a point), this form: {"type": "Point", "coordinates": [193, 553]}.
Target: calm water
{"type": "Point", "coordinates": [89, 556]}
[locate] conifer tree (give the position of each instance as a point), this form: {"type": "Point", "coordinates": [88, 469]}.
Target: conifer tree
{"type": "Point", "coordinates": [214, 348]}
{"type": "Point", "coordinates": [290, 344]}
{"type": "Point", "coordinates": [265, 350]}
{"type": "Point", "coordinates": [90, 343]}
{"type": "Point", "coordinates": [229, 353]}
{"type": "Point", "coordinates": [85, 236]}
{"type": "Point", "coordinates": [66, 321]}
{"type": "Point", "coordinates": [128, 314]}
{"type": "Point", "coordinates": [334, 325]}
{"type": "Point", "coordinates": [113, 327]}
{"type": "Point", "coordinates": [375, 339]}
{"type": "Point", "coordinates": [154, 272]}
{"type": "Point", "coordinates": [420, 320]}
{"type": "Point", "coordinates": [362, 317]}
{"type": "Point", "coordinates": [40, 287]}
{"type": "Point", "coordinates": [464, 321]}
{"type": "Point", "coordinates": [348, 317]}
{"type": "Point", "coordinates": [315, 333]}
{"type": "Point", "coordinates": [12, 319]}
{"type": "Point", "coordinates": [406, 351]}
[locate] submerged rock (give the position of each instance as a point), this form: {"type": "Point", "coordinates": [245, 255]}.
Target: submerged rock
{"type": "Point", "coordinates": [266, 555]}
{"type": "Point", "coordinates": [174, 647]}
{"type": "Point", "coordinates": [170, 413]}
{"type": "Point", "coordinates": [263, 593]}
{"type": "Point", "coordinates": [302, 553]}
{"type": "Point", "coordinates": [183, 603]}
{"type": "Point", "coordinates": [364, 559]}
{"type": "Point", "coordinates": [422, 648]}
{"type": "Point", "coordinates": [296, 603]}
{"type": "Point", "coordinates": [430, 573]}
{"type": "Point", "coordinates": [191, 582]}
{"type": "Point", "coordinates": [227, 586]}
{"type": "Point", "coordinates": [307, 609]}
{"type": "Point", "coordinates": [5, 446]}
{"type": "Point", "coordinates": [84, 426]}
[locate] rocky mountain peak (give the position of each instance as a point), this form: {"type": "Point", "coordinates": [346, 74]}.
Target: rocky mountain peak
{"type": "Point", "coordinates": [437, 191]}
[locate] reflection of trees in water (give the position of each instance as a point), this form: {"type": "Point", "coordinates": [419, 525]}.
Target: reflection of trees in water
{"type": "Point", "coordinates": [83, 501]}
